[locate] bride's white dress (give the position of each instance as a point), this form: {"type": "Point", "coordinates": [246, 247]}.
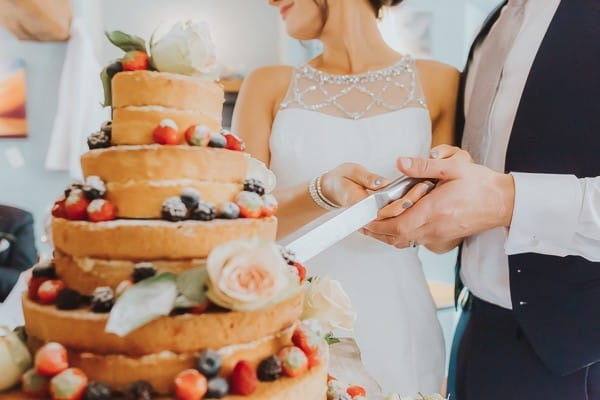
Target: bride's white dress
{"type": "Point", "coordinates": [370, 119]}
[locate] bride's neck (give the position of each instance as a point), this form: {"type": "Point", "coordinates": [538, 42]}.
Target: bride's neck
{"type": "Point", "coordinates": [352, 42]}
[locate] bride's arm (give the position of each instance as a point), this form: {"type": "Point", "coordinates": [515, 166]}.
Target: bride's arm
{"type": "Point", "coordinates": [256, 107]}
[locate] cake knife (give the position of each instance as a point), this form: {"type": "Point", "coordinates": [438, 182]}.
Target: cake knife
{"type": "Point", "coordinates": [310, 241]}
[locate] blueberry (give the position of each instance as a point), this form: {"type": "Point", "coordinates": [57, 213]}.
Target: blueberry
{"type": "Point", "coordinates": [114, 68]}
{"type": "Point", "coordinates": [208, 363]}
{"type": "Point", "coordinates": [229, 210]}
{"type": "Point", "coordinates": [203, 212]}
{"type": "Point", "coordinates": [73, 186]}
{"type": "Point", "coordinates": [217, 140]}
{"type": "Point", "coordinates": [173, 209]}
{"type": "Point", "coordinates": [99, 140]}
{"type": "Point", "coordinates": [217, 388]}
{"type": "Point", "coordinates": [68, 299]}
{"type": "Point", "coordinates": [46, 270]}
{"type": "Point", "coordinates": [94, 188]}
{"type": "Point", "coordinates": [142, 271]}
{"type": "Point", "coordinates": [103, 299]}
{"type": "Point", "coordinates": [254, 185]}
{"type": "Point", "coordinates": [139, 390]}
{"type": "Point", "coordinates": [106, 127]}
{"type": "Point", "coordinates": [97, 391]}
{"type": "Point", "coordinates": [190, 198]}
{"type": "Point", "coordinates": [269, 369]}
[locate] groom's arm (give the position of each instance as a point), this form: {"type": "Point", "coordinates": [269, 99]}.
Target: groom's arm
{"type": "Point", "coordinates": [557, 215]}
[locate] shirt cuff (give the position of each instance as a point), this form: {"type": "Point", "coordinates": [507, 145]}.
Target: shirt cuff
{"type": "Point", "coordinates": [545, 214]}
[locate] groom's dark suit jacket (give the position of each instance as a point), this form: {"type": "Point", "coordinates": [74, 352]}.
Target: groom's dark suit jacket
{"type": "Point", "coordinates": [556, 300]}
{"type": "Point", "coordinates": [16, 228]}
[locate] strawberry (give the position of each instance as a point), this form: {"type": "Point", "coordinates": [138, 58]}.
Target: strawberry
{"type": "Point", "coordinates": [234, 142]}
{"type": "Point", "coordinates": [306, 340]}
{"type": "Point", "coordinates": [135, 60]}
{"type": "Point", "coordinates": [300, 270]}
{"type": "Point", "coordinates": [243, 379]}
{"type": "Point", "coordinates": [355, 391]}
{"type": "Point", "coordinates": [68, 385]}
{"type": "Point", "coordinates": [314, 359]}
{"type": "Point", "coordinates": [35, 385]}
{"type": "Point", "coordinates": [101, 210]}
{"type": "Point", "coordinates": [48, 291]}
{"type": "Point", "coordinates": [76, 205]}
{"type": "Point", "coordinates": [198, 135]}
{"type": "Point", "coordinates": [270, 205]}
{"type": "Point", "coordinates": [51, 359]}
{"type": "Point", "coordinates": [58, 209]}
{"type": "Point", "coordinates": [190, 385]}
{"type": "Point", "coordinates": [34, 285]}
{"type": "Point", "coordinates": [294, 361]}
{"type": "Point", "coordinates": [251, 204]}
{"type": "Point", "coordinates": [201, 308]}
{"type": "Point", "coordinates": [167, 132]}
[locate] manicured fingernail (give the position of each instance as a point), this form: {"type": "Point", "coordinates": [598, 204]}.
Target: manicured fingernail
{"type": "Point", "coordinates": [406, 163]}
{"type": "Point", "coordinates": [434, 154]}
{"type": "Point", "coordinates": [407, 204]}
{"type": "Point", "coordinates": [430, 185]}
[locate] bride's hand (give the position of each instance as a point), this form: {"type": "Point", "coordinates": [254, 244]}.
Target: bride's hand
{"type": "Point", "coordinates": [350, 183]}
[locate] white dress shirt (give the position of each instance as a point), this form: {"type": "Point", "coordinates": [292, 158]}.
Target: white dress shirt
{"type": "Point", "coordinates": [553, 214]}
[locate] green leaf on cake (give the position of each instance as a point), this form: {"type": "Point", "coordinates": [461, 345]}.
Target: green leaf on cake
{"type": "Point", "coordinates": [191, 286]}
{"type": "Point", "coordinates": [146, 301]}
{"type": "Point", "coordinates": [330, 339]}
{"type": "Point", "coordinates": [106, 84]}
{"type": "Point", "coordinates": [125, 41]}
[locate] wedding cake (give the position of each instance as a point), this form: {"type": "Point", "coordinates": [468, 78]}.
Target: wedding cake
{"type": "Point", "coordinates": [165, 277]}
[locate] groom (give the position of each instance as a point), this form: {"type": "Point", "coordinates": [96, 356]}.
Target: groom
{"type": "Point", "coordinates": [531, 249]}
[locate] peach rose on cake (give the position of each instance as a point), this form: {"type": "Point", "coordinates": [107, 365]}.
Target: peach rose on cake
{"type": "Point", "coordinates": [247, 275]}
{"type": "Point", "coordinates": [327, 302]}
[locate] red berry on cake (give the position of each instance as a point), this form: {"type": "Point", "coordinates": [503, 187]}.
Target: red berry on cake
{"type": "Point", "coordinates": [294, 361]}
{"type": "Point", "coordinates": [167, 133]}
{"type": "Point", "coordinates": [198, 135]}
{"type": "Point", "coordinates": [101, 210]}
{"type": "Point", "coordinates": [190, 385]}
{"type": "Point", "coordinates": [309, 342]}
{"type": "Point", "coordinates": [48, 291]}
{"type": "Point", "coordinates": [51, 359]}
{"type": "Point", "coordinates": [68, 385]}
{"type": "Point", "coordinates": [135, 60]}
{"type": "Point", "coordinates": [270, 205]}
{"type": "Point", "coordinates": [251, 205]}
{"type": "Point", "coordinates": [200, 308]}
{"type": "Point", "coordinates": [300, 270]}
{"type": "Point", "coordinates": [33, 286]}
{"type": "Point", "coordinates": [58, 209]}
{"type": "Point", "coordinates": [356, 391]}
{"type": "Point", "coordinates": [243, 379]}
{"type": "Point", "coordinates": [35, 385]}
{"type": "Point", "coordinates": [76, 205]}
{"type": "Point", "coordinates": [234, 142]}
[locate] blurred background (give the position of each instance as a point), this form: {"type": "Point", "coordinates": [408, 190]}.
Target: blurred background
{"type": "Point", "coordinates": [55, 48]}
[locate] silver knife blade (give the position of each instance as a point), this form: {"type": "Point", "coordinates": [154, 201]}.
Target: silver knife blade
{"type": "Point", "coordinates": [315, 240]}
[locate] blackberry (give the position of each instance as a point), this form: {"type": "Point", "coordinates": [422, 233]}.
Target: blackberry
{"type": "Point", "coordinates": [142, 271]}
{"type": "Point", "coordinates": [139, 390]}
{"type": "Point", "coordinates": [173, 209]}
{"type": "Point", "coordinates": [208, 363]}
{"type": "Point", "coordinates": [113, 69]}
{"type": "Point", "coordinates": [254, 185]}
{"type": "Point", "coordinates": [97, 391]}
{"type": "Point", "coordinates": [217, 140]}
{"type": "Point", "coordinates": [190, 197]}
{"type": "Point", "coordinates": [204, 212]}
{"type": "Point", "coordinates": [229, 210]}
{"type": "Point", "coordinates": [94, 188]}
{"type": "Point", "coordinates": [107, 127]}
{"type": "Point", "coordinates": [73, 186]}
{"type": "Point", "coordinates": [217, 388]}
{"type": "Point", "coordinates": [103, 299]}
{"type": "Point", "coordinates": [99, 140]}
{"type": "Point", "coordinates": [68, 299]}
{"type": "Point", "coordinates": [269, 369]}
{"type": "Point", "coordinates": [46, 270]}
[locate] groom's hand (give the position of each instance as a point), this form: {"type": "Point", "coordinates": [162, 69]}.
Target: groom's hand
{"type": "Point", "coordinates": [469, 198]}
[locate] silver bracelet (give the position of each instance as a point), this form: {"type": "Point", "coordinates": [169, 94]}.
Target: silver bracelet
{"type": "Point", "coordinates": [314, 188]}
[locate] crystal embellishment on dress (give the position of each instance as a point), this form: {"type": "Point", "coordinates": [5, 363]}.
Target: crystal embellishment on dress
{"type": "Point", "coordinates": [356, 96]}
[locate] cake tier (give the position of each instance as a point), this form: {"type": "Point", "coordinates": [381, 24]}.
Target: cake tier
{"type": "Point", "coordinates": [122, 164]}
{"type": "Point", "coordinates": [135, 125]}
{"type": "Point", "coordinates": [139, 240]}
{"type": "Point", "coordinates": [86, 274]}
{"type": "Point", "coordinates": [160, 370]}
{"type": "Point", "coordinates": [83, 330]}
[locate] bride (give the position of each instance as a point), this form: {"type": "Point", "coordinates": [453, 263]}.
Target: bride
{"type": "Point", "coordinates": [331, 131]}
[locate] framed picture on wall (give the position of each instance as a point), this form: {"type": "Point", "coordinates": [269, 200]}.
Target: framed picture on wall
{"type": "Point", "coordinates": [13, 99]}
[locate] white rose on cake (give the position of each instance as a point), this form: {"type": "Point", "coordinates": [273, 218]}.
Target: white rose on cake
{"type": "Point", "coordinates": [15, 358]}
{"type": "Point", "coordinates": [186, 49]}
{"type": "Point", "coordinates": [327, 302]}
{"type": "Point", "coordinates": [247, 275]}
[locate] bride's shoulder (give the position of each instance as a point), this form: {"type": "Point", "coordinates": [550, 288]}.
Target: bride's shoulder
{"type": "Point", "coordinates": [440, 84]}
{"type": "Point", "coordinates": [270, 82]}
{"type": "Point", "coordinates": [435, 72]}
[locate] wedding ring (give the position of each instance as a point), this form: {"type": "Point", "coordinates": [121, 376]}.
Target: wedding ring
{"type": "Point", "coordinates": [412, 243]}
